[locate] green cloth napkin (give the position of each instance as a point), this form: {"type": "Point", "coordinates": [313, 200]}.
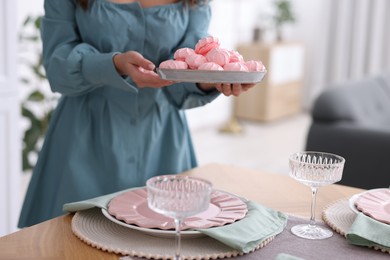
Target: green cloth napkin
{"type": "Point", "coordinates": [244, 235]}
{"type": "Point", "coordinates": [366, 231]}
{"type": "Point", "coordinates": [100, 202]}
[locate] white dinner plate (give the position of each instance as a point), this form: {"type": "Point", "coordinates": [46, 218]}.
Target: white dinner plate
{"type": "Point", "coordinates": [351, 202]}
{"type": "Point", "coordinates": [212, 76]}
{"type": "Point", "coordinates": [152, 231]}
{"type": "Point", "coordinates": [374, 203]}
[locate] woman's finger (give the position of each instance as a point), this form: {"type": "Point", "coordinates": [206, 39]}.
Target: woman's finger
{"type": "Point", "coordinates": [145, 78]}
{"type": "Point", "coordinates": [236, 89]}
{"type": "Point", "coordinates": [226, 89]}
{"type": "Point", "coordinates": [219, 87]}
{"type": "Point", "coordinates": [136, 58]}
{"type": "Point", "coordinates": [246, 87]}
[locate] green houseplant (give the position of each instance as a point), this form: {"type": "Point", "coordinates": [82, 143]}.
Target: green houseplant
{"type": "Point", "coordinates": [283, 15]}
{"type": "Point", "coordinates": [37, 103]}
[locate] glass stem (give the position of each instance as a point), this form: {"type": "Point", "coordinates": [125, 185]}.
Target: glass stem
{"type": "Point", "coordinates": [178, 238]}
{"type": "Point", "coordinates": [313, 206]}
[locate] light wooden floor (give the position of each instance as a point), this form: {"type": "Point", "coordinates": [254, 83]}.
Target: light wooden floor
{"type": "Point", "coordinates": [262, 146]}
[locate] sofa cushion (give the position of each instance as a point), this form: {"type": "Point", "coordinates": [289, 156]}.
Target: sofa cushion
{"type": "Point", "coordinates": [364, 102]}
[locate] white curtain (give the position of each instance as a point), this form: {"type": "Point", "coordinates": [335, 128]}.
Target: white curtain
{"type": "Point", "coordinates": [355, 42]}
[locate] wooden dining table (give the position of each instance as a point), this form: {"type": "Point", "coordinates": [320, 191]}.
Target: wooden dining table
{"type": "Point", "coordinates": [54, 239]}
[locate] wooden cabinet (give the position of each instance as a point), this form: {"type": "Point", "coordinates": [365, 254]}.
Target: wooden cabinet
{"type": "Point", "coordinates": [279, 94]}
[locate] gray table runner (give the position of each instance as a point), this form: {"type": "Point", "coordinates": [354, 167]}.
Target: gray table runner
{"type": "Point", "coordinates": [334, 248]}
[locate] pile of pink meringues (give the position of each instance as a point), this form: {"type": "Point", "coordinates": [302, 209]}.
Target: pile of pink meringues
{"type": "Point", "coordinates": [208, 55]}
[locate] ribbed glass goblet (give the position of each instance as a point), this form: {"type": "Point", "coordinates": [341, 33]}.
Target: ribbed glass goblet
{"type": "Point", "coordinates": [315, 169]}
{"type": "Point", "coordinates": [178, 197]}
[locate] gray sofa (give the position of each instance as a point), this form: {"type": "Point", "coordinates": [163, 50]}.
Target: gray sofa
{"type": "Point", "coordinates": [353, 120]}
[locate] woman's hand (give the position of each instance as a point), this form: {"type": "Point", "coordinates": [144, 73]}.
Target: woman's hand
{"type": "Point", "coordinates": [227, 89]}
{"type": "Point", "coordinates": [139, 69]}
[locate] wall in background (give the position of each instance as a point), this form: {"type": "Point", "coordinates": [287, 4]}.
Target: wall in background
{"type": "Point", "coordinates": [10, 140]}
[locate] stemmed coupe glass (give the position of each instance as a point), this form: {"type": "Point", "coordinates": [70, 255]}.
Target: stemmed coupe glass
{"type": "Point", "coordinates": [178, 197]}
{"type": "Point", "coordinates": [315, 169]}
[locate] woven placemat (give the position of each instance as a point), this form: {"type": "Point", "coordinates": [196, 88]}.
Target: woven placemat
{"type": "Point", "coordinates": [96, 230]}
{"type": "Point", "coordinates": [340, 217]}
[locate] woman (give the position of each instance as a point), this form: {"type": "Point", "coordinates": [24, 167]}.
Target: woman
{"type": "Point", "coordinates": [117, 123]}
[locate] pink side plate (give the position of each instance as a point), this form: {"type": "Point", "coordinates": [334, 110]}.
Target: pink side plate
{"type": "Point", "coordinates": [375, 204]}
{"type": "Point", "coordinates": [132, 208]}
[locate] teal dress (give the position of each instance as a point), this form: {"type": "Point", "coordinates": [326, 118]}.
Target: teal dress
{"type": "Point", "coordinates": [106, 134]}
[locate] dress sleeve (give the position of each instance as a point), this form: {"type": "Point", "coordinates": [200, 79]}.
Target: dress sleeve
{"type": "Point", "coordinates": [73, 67]}
{"type": "Point", "coordinates": [198, 25]}
{"type": "Point", "coordinates": [188, 95]}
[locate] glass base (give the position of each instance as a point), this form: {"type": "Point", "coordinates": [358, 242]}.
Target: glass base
{"type": "Point", "coordinates": [311, 232]}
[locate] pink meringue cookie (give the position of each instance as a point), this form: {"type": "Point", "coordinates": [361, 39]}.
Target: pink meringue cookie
{"type": "Point", "coordinates": [254, 65]}
{"type": "Point", "coordinates": [195, 60]}
{"type": "Point", "coordinates": [218, 55]}
{"type": "Point", "coordinates": [173, 64]}
{"type": "Point", "coordinates": [235, 56]}
{"type": "Point", "coordinates": [182, 54]}
{"type": "Point", "coordinates": [210, 66]}
{"type": "Point", "coordinates": [206, 44]}
{"type": "Point", "coordinates": [235, 66]}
